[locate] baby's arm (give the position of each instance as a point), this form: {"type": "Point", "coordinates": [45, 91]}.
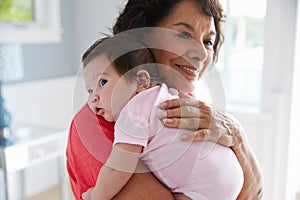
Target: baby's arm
{"type": "Point", "coordinates": [118, 169]}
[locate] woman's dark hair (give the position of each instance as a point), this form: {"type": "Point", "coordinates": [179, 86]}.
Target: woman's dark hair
{"type": "Point", "coordinates": [127, 54]}
{"type": "Point", "coordinates": [148, 13]}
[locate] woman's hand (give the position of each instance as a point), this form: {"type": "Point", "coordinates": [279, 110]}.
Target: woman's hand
{"type": "Point", "coordinates": [207, 123]}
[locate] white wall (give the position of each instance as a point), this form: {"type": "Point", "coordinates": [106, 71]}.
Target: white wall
{"type": "Point", "coordinates": [92, 18]}
{"type": "Point", "coordinates": [45, 102]}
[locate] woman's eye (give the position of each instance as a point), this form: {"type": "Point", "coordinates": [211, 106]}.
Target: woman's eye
{"type": "Point", "coordinates": [209, 42]}
{"type": "Point", "coordinates": [184, 35]}
{"type": "Point", "coordinates": [102, 82]}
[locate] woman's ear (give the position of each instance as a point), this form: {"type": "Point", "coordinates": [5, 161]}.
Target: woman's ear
{"type": "Point", "coordinates": [143, 80]}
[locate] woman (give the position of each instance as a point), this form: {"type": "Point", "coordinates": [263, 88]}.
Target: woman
{"type": "Point", "coordinates": [180, 16]}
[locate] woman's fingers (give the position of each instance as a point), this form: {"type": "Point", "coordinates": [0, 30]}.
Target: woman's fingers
{"type": "Point", "coordinates": [210, 124]}
{"type": "Point", "coordinates": [175, 103]}
{"type": "Point", "coordinates": [186, 111]}
{"type": "Point", "coordinates": [188, 123]}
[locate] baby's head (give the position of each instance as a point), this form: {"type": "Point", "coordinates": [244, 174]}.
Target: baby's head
{"type": "Point", "coordinates": [116, 68]}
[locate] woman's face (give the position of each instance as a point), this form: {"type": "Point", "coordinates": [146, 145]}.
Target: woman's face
{"type": "Point", "coordinates": [191, 40]}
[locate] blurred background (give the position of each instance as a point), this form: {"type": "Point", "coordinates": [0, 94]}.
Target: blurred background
{"type": "Point", "coordinates": [41, 43]}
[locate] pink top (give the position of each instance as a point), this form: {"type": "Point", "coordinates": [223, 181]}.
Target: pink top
{"type": "Point", "coordinates": [206, 169]}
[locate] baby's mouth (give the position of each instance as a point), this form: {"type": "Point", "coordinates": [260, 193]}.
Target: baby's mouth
{"type": "Point", "coordinates": [98, 111]}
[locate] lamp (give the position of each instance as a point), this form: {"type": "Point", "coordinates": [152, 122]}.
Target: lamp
{"type": "Point", "coordinates": [10, 70]}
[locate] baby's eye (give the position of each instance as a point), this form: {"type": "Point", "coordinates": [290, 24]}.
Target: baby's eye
{"type": "Point", "coordinates": [184, 35]}
{"type": "Point", "coordinates": [90, 91]}
{"type": "Point", "coordinates": [102, 82]}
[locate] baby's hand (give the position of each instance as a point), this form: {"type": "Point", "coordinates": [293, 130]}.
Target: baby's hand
{"type": "Point", "coordinates": [87, 194]}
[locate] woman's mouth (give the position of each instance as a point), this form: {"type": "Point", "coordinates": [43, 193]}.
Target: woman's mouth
{"type": "Point", "coordinates": [189, 69]}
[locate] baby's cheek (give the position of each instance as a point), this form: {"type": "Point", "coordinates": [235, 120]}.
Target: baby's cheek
{"type": "Point", "coordinates": [90, 103]}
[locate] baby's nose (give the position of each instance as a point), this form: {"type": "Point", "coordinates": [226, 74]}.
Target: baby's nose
{"type": "Point", "coordinates": [96, 98]}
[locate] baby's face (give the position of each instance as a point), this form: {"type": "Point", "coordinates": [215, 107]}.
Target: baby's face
{"type": "Point", "coordinates": [91, 75]}
{"type": "Point", "coordinates": [108, 91]}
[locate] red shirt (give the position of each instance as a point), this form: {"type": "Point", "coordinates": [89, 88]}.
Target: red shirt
{"type": "Point", "coordinates": [89, 145]}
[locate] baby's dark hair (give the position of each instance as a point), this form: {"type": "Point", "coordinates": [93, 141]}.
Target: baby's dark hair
{"type": "Point", "coordinates": [127, 54]}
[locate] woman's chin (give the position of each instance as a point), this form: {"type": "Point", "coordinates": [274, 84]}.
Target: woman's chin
{"type": "Point", "coordinates": [186, 86]}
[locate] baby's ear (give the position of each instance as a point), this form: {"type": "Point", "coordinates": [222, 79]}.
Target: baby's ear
{"type": "Point", "coordinates": [143, 80]}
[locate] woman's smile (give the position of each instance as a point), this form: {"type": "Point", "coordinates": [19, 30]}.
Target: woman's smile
{"type": "Point", "coordinates": [188, 71]}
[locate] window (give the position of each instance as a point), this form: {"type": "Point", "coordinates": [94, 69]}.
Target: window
{"type": "Point", "coordinates": [16, 11]}
{"type": "Point", "coordinates": [17, 25]}
{"type": "Point", "coordinates": [241, 58]}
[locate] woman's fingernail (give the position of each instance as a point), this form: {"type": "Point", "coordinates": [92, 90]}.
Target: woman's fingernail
{"type": "Point", "coordinates": [162, 114]}
{"type": "Point", "coordinates": [162, 105]}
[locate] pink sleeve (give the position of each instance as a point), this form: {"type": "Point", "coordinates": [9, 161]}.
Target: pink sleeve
{"type": "Point", "coordinates": [132, 125]}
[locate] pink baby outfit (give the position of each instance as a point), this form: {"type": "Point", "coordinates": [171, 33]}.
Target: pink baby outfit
{"type": "Point", "coordinates": [201, 170]}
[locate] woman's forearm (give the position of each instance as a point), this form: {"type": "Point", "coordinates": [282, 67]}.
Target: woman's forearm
{"type": "Point", "coordinates": [253, 181]}
{"type": "Point", "coordinates": [144, 186]}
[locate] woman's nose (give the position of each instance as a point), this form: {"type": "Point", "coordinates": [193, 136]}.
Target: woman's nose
{"type": "Point", "coordinates": [197, 52]}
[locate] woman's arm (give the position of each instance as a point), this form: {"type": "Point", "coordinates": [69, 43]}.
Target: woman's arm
{"type": "Point", "coordinates": [144, 186]}
{"type": "Point", "coordinates": [117, 171]}
{"type": "Point", "coordinates": [253, 181]}
{"type": "Point", "coordinates": [216, 126]}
